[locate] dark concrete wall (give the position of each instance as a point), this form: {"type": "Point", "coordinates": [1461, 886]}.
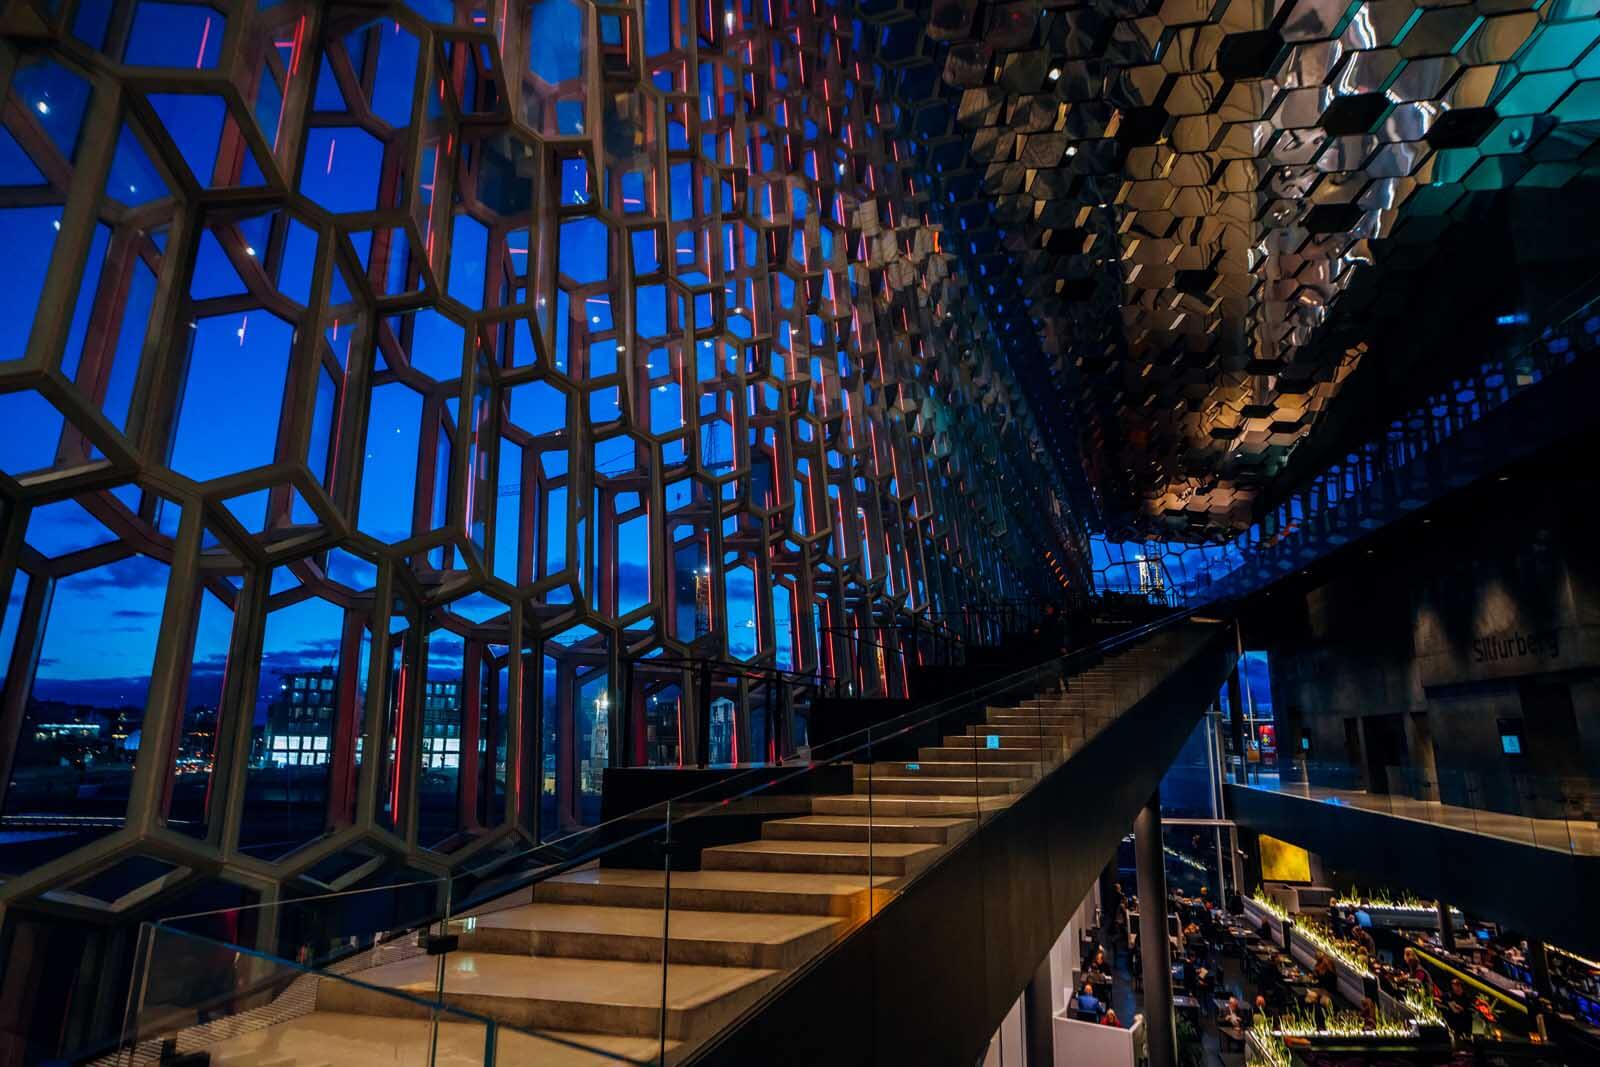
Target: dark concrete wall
{"type": "Point", "coordinates": [1490, 610]}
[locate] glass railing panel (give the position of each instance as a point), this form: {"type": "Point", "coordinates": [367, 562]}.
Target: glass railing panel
{"type": "Point", "coordinates": [768, 867]}
{"type": "Point", "coordinates": [194, 996]}
{"type": "Point", "coordinates": [1541, 802]}
{"type": "Point", "coordinates": [344, 931]}
{"type": "Point", "coordinates": [1557, 813]}
{"type": "Point", "coordinates": [760, 875]}
{"type": "Point", "coordinates": [687, 912]}
{"type": "Point", "coordinates": [562, 944]}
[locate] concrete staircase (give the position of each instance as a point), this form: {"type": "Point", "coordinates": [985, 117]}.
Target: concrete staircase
{"type": "Point", "coordinates": [577, 969]}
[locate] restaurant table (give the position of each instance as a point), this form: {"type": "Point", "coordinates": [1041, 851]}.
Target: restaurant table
{"type": "Point", "coordinates": [1102, 984]}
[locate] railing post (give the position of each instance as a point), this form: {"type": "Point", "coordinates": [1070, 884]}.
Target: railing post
{"type": "Point", "coordinates": [625, 731]}
{"type": "Point", "coordinates": [702, 741]}
{"type": "Point", "coordinates": [784, 746]}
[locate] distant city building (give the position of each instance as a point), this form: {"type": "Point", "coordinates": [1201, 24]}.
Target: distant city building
{"type": "Point", "coordinates": [1151, 578]}
{"type": "Point", "coordinates": [722, 731]}
{"type": "Point", "coordinates": [300, 721]}
{"type": "Point", "coordinates": [441, 725]}
{"type": "Point", "coordinates": [592, 764]}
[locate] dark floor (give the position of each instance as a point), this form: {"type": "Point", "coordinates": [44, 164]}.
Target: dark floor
{"type": "Point", "coordinates": [1126, 1000]}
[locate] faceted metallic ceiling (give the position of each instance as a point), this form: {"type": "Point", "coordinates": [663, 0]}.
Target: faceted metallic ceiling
{"type": "Point", "coordinates": [1171, 196]}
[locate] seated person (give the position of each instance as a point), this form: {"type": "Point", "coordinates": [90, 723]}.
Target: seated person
{"type": "Point", "coordinates": [1320, 1007]}
{"type": "Point", "coordinates": [1191, 975]}
{"type": "Point", "coordinates": [1369, 1014]}
{"type": "Point", "coordinates": [1326, 973]}
{"type": "Point", "coordinates": [1232, 1023]}
{"type": "Point", "coordinates": [1458, 1009]}
{"type": "Point", "coordinates": [1086, 1002]}
{"type": "Point", "coordinates": [1110, 1018]}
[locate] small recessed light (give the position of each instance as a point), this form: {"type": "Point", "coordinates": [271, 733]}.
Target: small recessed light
{"type": "Point", "coordinates": [44, 108]}
{"type": "Point", "coordinates": [249, 251]}
{"type": "Point", "coordinates": [1055, 73]}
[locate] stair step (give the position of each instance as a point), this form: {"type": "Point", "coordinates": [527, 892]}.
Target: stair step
{"type": "Point", "coordinates": [885, 785]}
{"type": "Point", "coordinates": [1018, 730]}
{"type": "Point", "coordinates": [713, 938]}
{"type": "Point", "coordinates": [969, 754]}
{"type": "Point", "coordinates": [957, 768]}
{"type": "Point", "coordinates": [1065, 704]}
{"type": "Point", "coordinates": [378, 1041]}
{"type": "Point", "coordinates": [930, 830]}
{"type": "Point", "coordinates": [822, 857]}
{"type": "Point", "coordinates": [552, 993]}
{"type": "Point", "coordinates": [1005, 741]}
{"type": "Point", "coordinates": [1048, 721]}
{"type": "Point", "coordinates": [882, 806]}
{"type": "Point", "coordinates": [740, 891]}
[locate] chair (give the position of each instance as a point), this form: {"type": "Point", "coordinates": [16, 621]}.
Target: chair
{"type": "Point", "coordinates": [1085, 1016]}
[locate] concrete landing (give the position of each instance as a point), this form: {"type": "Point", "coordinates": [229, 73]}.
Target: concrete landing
{"type": "Point", "coordinates": [552, 993]}
{"type": "Point", "coordinates": [716, 938]}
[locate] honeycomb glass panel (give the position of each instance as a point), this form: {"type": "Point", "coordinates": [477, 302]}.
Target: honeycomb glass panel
{"type": "Point", "coordinates": [82, 726]}
{"type": "Point", "coordinates": [307, 647]}
{"type": "Point", "coordinates": [619, 331]}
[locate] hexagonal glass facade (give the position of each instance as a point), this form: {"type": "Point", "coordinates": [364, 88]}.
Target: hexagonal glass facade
{"type": "Point", "coordinates": [401, 400]}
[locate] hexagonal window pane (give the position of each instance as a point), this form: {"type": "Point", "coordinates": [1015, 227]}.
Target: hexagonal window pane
{"type": "Point", "coordinates": [230, 356]}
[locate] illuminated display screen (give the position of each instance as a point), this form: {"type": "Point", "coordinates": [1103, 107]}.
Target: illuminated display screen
{"type": "Point", "coordinates": [1283, 862]}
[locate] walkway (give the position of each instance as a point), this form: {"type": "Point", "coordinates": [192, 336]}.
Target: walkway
{"type": "Point", "coordinates": [1561, 835]}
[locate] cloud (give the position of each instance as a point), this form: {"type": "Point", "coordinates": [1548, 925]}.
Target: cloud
{"type": "Point", "coordinates": [308, 646]}
{"type": "Point", "coordinates": [99, 692]}
{"type": "Point", "coordinates": [135, 572]}
{"type": "Point", "coordinates": [134, 613]}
